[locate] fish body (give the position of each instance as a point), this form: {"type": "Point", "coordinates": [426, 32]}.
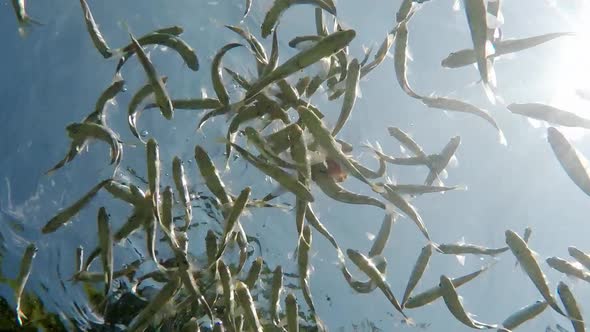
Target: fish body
{"type": "Point", "coordinates": [162, 98]}
{"type": "Point", "coordinates": [530, 265]}
{"type": "Point", "coordinates": [400, 59]}
{"type": "Point", "coordinates": [369, 268]}
{"type": "Point", "coordinates": [572, 161]}
{"type": "Point", "coordinates": [292, 312]}
{"type": "Point", "coordinates": [461, 249]}
{"type": "Point", "coordinates": [328, 46]}
{"type": "Point", "coordinates": [97, 39]}
{"type": "Point", "coordinates": [524, 314]}
{"type": "Point", "coordinates": [502, 47]}
{"type": "Point", "coordinates": [568, 268]}
{"type": "Point", "coordinates": [182, 188]}
{"type": "Point", "coordinates": [26, 266]}
{"type": "Point", "coordinates": [246, 302]}
{"type": "Point", "coordinates": [550, 114]}
{"type": "Point", "coordinates": [435, 292]}
{"type": "Point", "coordinates": [580, 256]}
{"type": "Point", "coordinates": [105, 240]}
{"type": "Point", "coordinates": [571, 307]}
{"type": "Point", "coordinates": [280, 6]}
{"type": "Point", "coordinates": [475, 11]}
{"type": "Point", "coordinates": [417, 272]}
{"type": "Point", "coordinates": [456, 308]}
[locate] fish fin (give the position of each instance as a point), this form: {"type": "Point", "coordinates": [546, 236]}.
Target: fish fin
{"type": "Point", "coordinates": [461, 259]}
{"type": "Point", "coordinates": [20, 316]}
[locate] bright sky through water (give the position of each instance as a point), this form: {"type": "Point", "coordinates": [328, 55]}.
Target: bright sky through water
{"type": "Point", "coordinates": [53, 77]}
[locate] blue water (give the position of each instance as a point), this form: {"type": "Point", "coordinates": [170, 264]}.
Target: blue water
{"type": "Point", "coordinates": [54, 75]}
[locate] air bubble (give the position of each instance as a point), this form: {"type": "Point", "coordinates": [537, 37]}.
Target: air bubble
{"type": "Point", "coordinates": [144, 133]}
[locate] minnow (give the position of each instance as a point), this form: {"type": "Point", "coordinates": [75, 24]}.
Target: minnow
{"type": "Point", "coordinates": [407, 142]}
{"type": "Point", "coordinates": [367, 286]}
{"type": "Point", "coordinates": [97, 39]}
{"type": "Point", "coordinates": [466, 57]}
{"type": "Point", "coordinates": [530, 265]}
{"type": "Point", "coordinates": [247, 9]}
{"type": "Point", "coordinates": [167, 40]}
{"type": "Point", "coordinates": [320, 26]}
{"type": "Point", "coordinates": [314, 221]}
{"type": "Point", "coordinates": [332, 189]}
{"type": "Point", "coordinates": [255, 46]}
{"type": "Point", "coordinates": [408, 209]}
{"type": "Point", "coordinates": [79, 259]}
{"type": "Point", "coordinates": [350, 95]}
{"type": "Point", "coordinates": [211, 175]}
{"type": "Point", "coordinates": [167, 218]}
{"type": "Point", "coordinates": [571, 160]}
{"type": "Point", "coordinates": [109, 93]}
{"type": "Point", "coordinates": [297, 41]}
{"type": "Point", "coordinates": [65, 215]}
{"type": "Point", "coordinates": [401, 59]}
{"type": "Point", "coordinates": [275, 295]}
{"type": "Point", "coordinates": [369, 173]}
{"type": "Point", "coordinates": [280, 6]}
{"type": "Point", "coordinates": [328, 46]}
{"type": "Point", "coordinates": [247, 303]}
{"type": "Point", "coordinates": [326, 141]}
{"type": "Point", "coordinates": [571, 306]}
{"type": "Point", "coordinates": [26, 266]}
{"type": "Point", "coordinates": [580, 256]}
{"type": "Point", "coordinates": [127, 271]}
{"type": "Point", "coordinates": [524, 314]}
{"type": "Point", "coordinates": [550, 114]}
{"type": "Point", "coordinates": [456, 308]}
{"type": "Point", "coordinates": [211, 247]}
{"type": "Point", "coordinates": [368, 267]}
{"type": "Point", "coordinates": [417, 272]}
{"type": "Point", "coordinates": [464, 107]}
{"type": "Point", "coordinates": [263, 147]}
{"type": "Point", "coordinates": [254, 273]}
{"type": "Point", "coordinates": [81, 134]}
{"type": "Point", "coordinates": [153, 172]}
{"type": "Point", "coordinates": [463, 248]}
{"type": "Point", "coordinates": [274, 55]}
{"type": "Point", "coordinates": [435, 292]}
{"type": "Point", "coordinates": [182, 188]}
{"type": "Point", "coordinates": [440, 161]}
{"type": "Point", "coordinates": [292, 312]}
{"type": "Point", "coordinates": [382, 237]}
{"type": "Point", "coordinates": [133, 110]}
{"type": "Point", "coordinates": [228, 288]}
{"type": "Point", "coordinates": [232, 219]}
{"type": "Point", "coordinates": [380, 55]}
{"type": "Point", "coordinates": [147, 314]}
{"type": "Point", "coordinates": [279, 175]}
{"type": "Point", "coordinates": [475, 10]}
{"type": "Point", "coordinates": [568, 268]}
{"type": "Point", "coordinates": [417, 189]}
{"type": "Point", "coordinates": [160, 92]}
{"type": "Point", "coordinates": [335, 171]}
{"type": "Point", "coordinates": [303, 255]}
{"type": "Point", "coordinates": [216, 73]}
{"type": "Point", "coordinates": [105, 240]}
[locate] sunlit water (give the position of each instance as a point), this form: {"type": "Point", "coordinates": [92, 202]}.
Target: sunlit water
{"type": "Point", "coordinates": [53, 77]}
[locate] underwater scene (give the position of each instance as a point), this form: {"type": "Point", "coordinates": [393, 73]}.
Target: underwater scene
{"type": "Point", "coordinates": [295, 165]}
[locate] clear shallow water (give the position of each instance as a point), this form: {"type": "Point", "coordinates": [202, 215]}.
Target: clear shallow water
{"type": "Point", "coordinates": [54, 76]}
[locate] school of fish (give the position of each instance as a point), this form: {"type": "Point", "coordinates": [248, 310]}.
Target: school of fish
{"type": "Point", "coordinates": [301, 151]}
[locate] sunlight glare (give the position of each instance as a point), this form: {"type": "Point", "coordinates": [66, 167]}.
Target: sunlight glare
{"type": "Point", "coordinates": [574, 68]}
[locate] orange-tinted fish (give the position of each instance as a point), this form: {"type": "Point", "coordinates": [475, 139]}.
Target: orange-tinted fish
{"type": "Point", "coordinates": [335, 170]}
